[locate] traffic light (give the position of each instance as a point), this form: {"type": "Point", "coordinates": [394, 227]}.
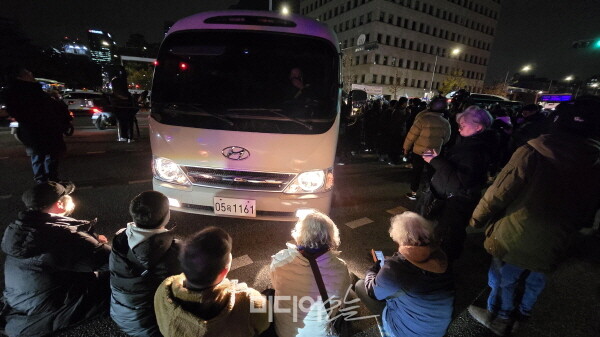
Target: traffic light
{"type": "Point", "coordinates": [593, 43]}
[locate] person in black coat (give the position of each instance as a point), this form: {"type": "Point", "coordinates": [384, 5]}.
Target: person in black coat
{"type": "Point", "coordinates": [460, 175]}
{"type": "Point", "coordinates": [42, 122]}
{"type": "Point", "coordinates": [56, 267]}
{"type": "Point", "coordinates": [143, 255]}
{"type": "Point", "coordinates": [533, 125]}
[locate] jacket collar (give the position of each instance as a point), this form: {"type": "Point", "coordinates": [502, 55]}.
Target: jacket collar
{"type": "Point", "coordinates": [428, 258]}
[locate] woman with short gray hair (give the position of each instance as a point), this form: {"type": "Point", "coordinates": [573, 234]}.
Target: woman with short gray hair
{"type": "Point", "coordinates": [460, 175]}
{"type": "Point", "coordinates": [316, 238]}
{"type": "Point", "coordinates": [413, 291]}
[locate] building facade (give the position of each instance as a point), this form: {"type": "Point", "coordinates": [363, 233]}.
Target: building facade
{"type": "Point", "coordinates": [411, 48]}
{"type": "Point", "coordinates": [102, 47]}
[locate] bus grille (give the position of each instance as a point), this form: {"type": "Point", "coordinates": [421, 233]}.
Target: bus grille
{"type": "Point", "coordinates": [238, 180]}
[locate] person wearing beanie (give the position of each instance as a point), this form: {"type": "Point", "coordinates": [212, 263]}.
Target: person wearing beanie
{"type": "Point", "coordinates": [202, 301]}
{"type": "Point", "coordinates": [143, 255]}
{"type": "Point", "coordinates": [56, 267]}
{"type": "Point", "coordinates": [544, 195]}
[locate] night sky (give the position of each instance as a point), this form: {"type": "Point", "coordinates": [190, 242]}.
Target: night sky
{"type": "Point", "coordinates": [536, 32]}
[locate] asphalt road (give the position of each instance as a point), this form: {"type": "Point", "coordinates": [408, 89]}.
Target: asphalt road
{"type": "Point", "coordinates": [108, 174]}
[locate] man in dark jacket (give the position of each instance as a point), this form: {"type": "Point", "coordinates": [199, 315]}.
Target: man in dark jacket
{"type": "Point", "coordinates": [143, 255]}
{"type": "Point", "coordinates": [533, 125]}
{"type": "Point", "coordinates": [42, 122]}
{"type": "Point", "coordinates": [52, 263]}
{"type": "Point", "coordinates": [549, 189]}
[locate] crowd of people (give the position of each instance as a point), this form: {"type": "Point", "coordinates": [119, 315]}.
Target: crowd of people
{"type": "Point", "coordinates": [59, 272]}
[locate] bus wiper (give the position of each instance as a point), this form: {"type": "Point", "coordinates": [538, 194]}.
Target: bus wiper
{"type": "Point", "coordinates": [275, 112]}
{"type": "Point", "coordinates": [176, 106]}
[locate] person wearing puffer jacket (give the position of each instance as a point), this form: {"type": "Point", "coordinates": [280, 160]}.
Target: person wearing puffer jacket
{"type": "Point", "coordinates": [414, 290]}
{"type": "Point", "coordinates": [143, 255]}
{"type": "Point", "coordinates": [55, 271]}
{"type": "Point", "coordinates": [429, 131]}
{"type": "Point", "coordinates": [316, 236]}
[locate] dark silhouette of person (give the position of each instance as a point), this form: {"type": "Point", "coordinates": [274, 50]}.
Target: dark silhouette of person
{"type": "Point", "coordinates": [42, 122]}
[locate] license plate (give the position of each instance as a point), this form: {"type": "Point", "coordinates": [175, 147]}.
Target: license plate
{"type": "Point", "coordinates": [237, 207]}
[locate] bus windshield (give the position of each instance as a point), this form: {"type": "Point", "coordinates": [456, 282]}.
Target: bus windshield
{"type": "Point", "coordinates": [246, 81]}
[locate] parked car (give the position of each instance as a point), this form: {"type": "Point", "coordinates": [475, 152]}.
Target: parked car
{"type": "Point", "coordinates": [81, 101]}
{"type": "Point", "coordinates": [102, 114]}
{"type": "Point", "coordinates": [487, 101]}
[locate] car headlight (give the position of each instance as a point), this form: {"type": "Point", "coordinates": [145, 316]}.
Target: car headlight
{"type": "Point", "coordinates": [312, 182]}
{"type": "Point", "coordinates": [166, 170]}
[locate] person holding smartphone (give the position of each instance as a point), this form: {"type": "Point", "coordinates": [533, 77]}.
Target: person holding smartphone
{"type": "Point", "coordinates": [414, 289]}
{"type": "Point", "coordinates": [460, 175]}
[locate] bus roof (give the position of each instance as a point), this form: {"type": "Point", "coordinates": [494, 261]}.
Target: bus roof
{"type": "Point", "coordinates": [258, 21]}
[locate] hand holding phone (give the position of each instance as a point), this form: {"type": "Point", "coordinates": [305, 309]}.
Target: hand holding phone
{"type": "Point", "coordinates": [378, 256]}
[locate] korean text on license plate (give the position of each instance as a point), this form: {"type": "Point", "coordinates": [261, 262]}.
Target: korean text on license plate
{"type": "Point", "coordinates": [236, 207]}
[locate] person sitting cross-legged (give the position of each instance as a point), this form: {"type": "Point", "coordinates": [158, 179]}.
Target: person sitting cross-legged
{"type": "Point", "coordinates": [56, 267]}
{"type": "Point", "coordinates": [317, 238]}
{"type": "Point", "coordinates": [143, 255]}
{"type": "Point", "coordinates": [202, 301]}
{"type": "Point", "coordinates": [414, 290]}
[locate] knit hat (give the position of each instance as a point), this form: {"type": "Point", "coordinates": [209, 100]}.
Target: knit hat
{"type": "Point", "coordinates": [149, 209]}
{"type": "Point", "coordinates": [46, 194]}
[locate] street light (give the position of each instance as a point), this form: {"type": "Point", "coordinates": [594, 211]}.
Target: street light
{"type": "Point", "coordinates": [569, 78]}
{"type": "Point", "coordinates": [526, 68]}
{"type": "Point", "coordinates": [454, 52]}
{"type": "Point", "coordinates": [285, 10]}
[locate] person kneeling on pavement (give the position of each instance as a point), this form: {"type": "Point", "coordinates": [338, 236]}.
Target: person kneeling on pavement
{"type": "Point", "coordinates": [292, 275]}
{"type": "Point", "coordinates": [415, 282]}
{"type": "Point", "coordinates": [55, 269]}
{"type": "Point", "coordinates": [202, 301]}
{"type": "Point", "coordinates": [143, 255]}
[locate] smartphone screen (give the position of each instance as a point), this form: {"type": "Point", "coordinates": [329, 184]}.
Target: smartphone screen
{"type": "Point", "coordinates": [378, 255]}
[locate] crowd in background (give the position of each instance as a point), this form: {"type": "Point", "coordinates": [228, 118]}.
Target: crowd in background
{"type": "Point", "coordinates": [545, 185]}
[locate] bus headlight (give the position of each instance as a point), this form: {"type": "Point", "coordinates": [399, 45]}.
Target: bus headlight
{"type": "Point", "coordinates": [166, 170]}
{"type": "Point", "coordinates": [312, 182]}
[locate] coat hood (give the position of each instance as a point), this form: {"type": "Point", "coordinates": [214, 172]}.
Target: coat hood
{"type": "Point", "coordinates": [428, 258]}
{"type": "Point", "coordinates": [212, 303]}
{"type": "Point", "coordinates": [25, 237]}
{"type": "Point", "coordinates": [148, 245]}
{"type": "Point", "coordinates": [564, 149]}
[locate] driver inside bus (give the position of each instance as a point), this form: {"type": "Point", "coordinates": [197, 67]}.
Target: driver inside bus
{"type": "Point", "coordinates": [297, 89]}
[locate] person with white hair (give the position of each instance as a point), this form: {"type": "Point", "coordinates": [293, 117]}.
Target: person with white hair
{"type": "Point", "coordinates": [460, 175]}
{"type": "Point", "coordinates": [414, 290]}
{"type": "Point", "coordinates": [316, 238]}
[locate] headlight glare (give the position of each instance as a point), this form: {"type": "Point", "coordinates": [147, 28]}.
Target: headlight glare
{"type": "Point", "coordinates": [312, 182]}
{"type": "Point", "coordinates": [167, 170]}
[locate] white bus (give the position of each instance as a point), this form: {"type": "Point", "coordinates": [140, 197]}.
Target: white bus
{"type": "Point", "coordinates": [231, 132]}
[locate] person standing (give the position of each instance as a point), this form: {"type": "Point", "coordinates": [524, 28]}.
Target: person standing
{"type": "Point", "coordinates": [123, 106]}
{"type": "Point", "coordinates": [56, 267]}
{"type": "Point", "coordinates": [548, 190]}
{"type": "Point", "coordinates": [42, 122]}
{"type": "Point", "coordinates": [460, 175]}
{"type": "Point", "coordinates": [429, 132]}
{"type": "Point", "coordinates": [533, 124]}
{"type": "Point", "coordinates": [143, 255]}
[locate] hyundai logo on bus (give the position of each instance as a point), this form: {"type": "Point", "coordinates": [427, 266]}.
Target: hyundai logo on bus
{"type": "Point", "coordinates": [236, 153]}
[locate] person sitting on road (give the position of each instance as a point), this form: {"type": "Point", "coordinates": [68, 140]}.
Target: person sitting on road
{"type": "Point", "coordinates": [202, 301]}
{"type": "Point", "coordinates": [55, 269]}
{"type": "Point", "coordinates": [317, 238]}
{"type": "Point", "coordinates": [414, 290]}
{"type": "Point", "coordinates": [143, 255]}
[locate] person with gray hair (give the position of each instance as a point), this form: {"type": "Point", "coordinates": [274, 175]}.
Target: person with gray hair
{"type": "Point", "coordinates": [316, 237]}
{"type": "Point", "coordinates": [414, 289]}
{"type": "Point", "coordinates": [460, 175]}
